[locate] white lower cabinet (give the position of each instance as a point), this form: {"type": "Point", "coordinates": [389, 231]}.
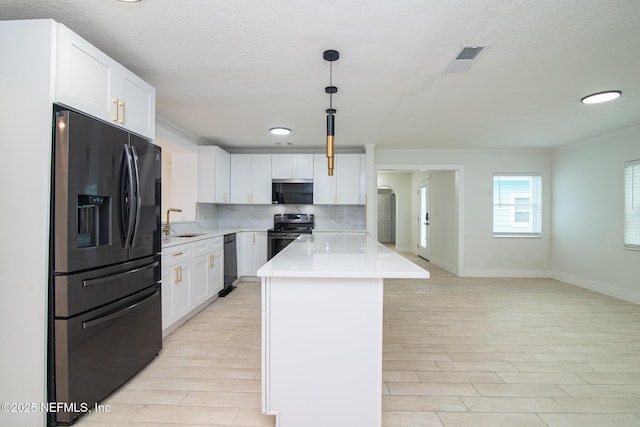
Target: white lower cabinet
{"type": "Point", "coordinates": [252, 252]}
{"type": "Point", "coordinates": [192, 274]}
{"type": "Point", "coordinates": [215, 278]}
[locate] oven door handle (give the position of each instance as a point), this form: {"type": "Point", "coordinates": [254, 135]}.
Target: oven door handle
{"type": "Point", "coordinates": [119, 313]}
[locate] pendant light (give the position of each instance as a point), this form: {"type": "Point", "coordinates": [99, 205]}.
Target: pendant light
{"type": "Point", "coordinates": [330, 56]}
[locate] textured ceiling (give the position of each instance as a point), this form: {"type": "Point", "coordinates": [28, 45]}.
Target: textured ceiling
{"type": "Point", "coordinates": [226, 71]}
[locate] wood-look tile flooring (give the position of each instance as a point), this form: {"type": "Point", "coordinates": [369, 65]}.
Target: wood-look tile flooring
{"type": "Point", "coordinates": [457, 352]}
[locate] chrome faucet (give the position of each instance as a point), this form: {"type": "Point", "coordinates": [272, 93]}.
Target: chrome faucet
{"type": "Point", "coordinates": [166, 228]}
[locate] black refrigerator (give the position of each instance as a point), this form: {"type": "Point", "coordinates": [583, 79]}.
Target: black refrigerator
{"type": "Point", "coordinates": [105, 320]}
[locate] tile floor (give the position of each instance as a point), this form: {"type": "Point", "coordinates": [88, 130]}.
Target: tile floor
{"type": "Point", "coordinates": [457, 352]}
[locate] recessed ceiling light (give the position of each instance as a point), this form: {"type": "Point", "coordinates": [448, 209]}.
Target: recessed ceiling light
{"type": "Point", "coordinates": [280, 131]}
{"type": "Point", "coordinates": [596, 98]}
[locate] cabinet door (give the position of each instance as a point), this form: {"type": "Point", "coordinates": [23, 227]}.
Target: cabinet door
{"type": "Point", "coordinates": [281, 167]}
{"type": "Point", "coordinates": [223, 176]}
{"type": "Point", "coordinates": [92, 82]}
{"type": "Point", "coordinates": [240, 178]}
{"type": "Point", "coordinates": [348, 174]}
{"type": "Point", "coordinates": [168, 316]}
{"type": "Point", "coordinates": [215, 281]}
{"type": "Point", "coordinates": [248, 260]}
{"type": "Point", "coordinates": [261, 178]}
{"type": "Point", "coordinates": [302, 165]}
{"type": "Point", "coordinates": [292, 166]}
{"type": "Point", "coordinates": [137, 103]}
{"type": "Point", "coordinates": [324, 186]}
{"type": "Point", "coordinates": [84, 76]}
{"type": "Point", "coordinates": [181, 289]}
{"type": "Point", "coordinates": [261, 249]}
{"type": "Point", "coordinates": [200, 279]}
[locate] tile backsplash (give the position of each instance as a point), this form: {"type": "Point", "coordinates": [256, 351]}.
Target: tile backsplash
{"type": "Point", "coordinates": [327, 217]}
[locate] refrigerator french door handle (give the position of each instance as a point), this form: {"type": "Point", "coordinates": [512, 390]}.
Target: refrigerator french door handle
{"type": "Point", "coordinates": [127, 205]}
{"type": "Point", "coordinates": [119, 313]}
{"type": "Point", "coordinates": [99, 280]}
{"type": "Point", "coordinates": [137, 198]}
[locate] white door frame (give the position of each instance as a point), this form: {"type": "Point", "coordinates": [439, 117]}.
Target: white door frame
{"type": "Point", "coordinates": [424, 235]}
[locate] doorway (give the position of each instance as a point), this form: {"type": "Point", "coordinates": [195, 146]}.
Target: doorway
{"type": "Point", "coordinates": [424, 238]}
{"type": "Point", "coordinates": [440, 238]}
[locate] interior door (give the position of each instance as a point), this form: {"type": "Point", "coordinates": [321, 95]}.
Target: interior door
{"type": "Point", "coordinates": [424, 245]}
{"type": "Point", "coordinates": [384, 218]}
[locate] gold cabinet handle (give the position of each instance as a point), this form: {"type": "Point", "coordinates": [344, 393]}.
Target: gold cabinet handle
{"type": "Point", "coordinates": [115, 101]}
{"type": "Point", "coordinates": [176, 254]}
{"type": "Point", "coordinates": [211, 261]}
{"type": "Point", "coordinates": [177, 276]}
{"type": "Point", "coordinates": [121, 121]}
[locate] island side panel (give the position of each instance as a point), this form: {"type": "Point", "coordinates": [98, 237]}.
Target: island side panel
{"type": "Point", "coordinates": [322, 351]}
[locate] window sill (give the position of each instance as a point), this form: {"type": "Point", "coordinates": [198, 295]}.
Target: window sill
{"type": "Point", "coordinates": [518, 235]}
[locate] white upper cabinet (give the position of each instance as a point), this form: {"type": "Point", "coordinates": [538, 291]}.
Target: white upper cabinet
{"type": "Point", "coordinates": [90, 81]}
{"type": "Point", "coordinates": [251, 178]}
{"type": "Point", "coordinates": [292, 166]}
{"type": "Point", "coordinates": [345, 186]}
{"type": "Point", "coordinates": [214, 175]}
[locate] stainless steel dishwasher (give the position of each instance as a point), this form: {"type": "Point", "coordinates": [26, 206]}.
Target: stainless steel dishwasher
{"type": "Point", "coordinates": [230, 264]}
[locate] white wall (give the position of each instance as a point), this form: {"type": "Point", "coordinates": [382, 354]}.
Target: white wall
{"type": "Point", "coordinates": [481, 253]}
{"type": "Point", "coordinates": [26, 84]}
{"type": "Point", "coordinates": [588, 215]}
{"type": "Point", "coordinates": [179, 174]}
{"type": "Point", "coordinates": [400, 183]}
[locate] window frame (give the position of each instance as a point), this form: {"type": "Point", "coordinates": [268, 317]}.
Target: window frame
{"type": "Point", "coordinates": [631, 238]}
{"type": "Point", "coordinates": [534, 208]}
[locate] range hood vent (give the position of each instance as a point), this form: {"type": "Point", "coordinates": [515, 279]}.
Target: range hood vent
{"type": "Point", "coordinates": [465, 57]}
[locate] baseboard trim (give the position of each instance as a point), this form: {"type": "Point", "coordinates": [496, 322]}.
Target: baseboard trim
{"type": "Point", "coordinates": [481, 272]}
{"type": "Point", "coordinates": [599, 287]}
{"type": "Point", "coordinates": [443, 265]}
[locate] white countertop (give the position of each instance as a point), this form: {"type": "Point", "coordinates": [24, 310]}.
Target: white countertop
{"type": "Point", "coordinates": [336, 255]}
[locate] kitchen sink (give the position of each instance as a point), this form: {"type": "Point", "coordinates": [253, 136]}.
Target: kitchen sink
{"type": "Point", "coordinates": [188, 235]}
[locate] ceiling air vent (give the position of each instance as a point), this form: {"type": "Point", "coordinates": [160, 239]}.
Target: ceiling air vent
{"type": "Point", "coordinates": [465, 57]}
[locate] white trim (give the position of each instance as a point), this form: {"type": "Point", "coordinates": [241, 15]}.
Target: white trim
{"type": "Point", "coordinates": [404, 249]}
{"type": "Point", "coordinates": [443, 265]}
{"type": "Point", "coordinates": [498, 272]}
{"type": "Point", "coordinates": [599, 287]}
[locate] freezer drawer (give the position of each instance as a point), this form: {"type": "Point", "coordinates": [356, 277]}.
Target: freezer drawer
{"type": "Point", "coordinates": [77, 293]}
{"type": "Point", "coordinates": [96, 352]}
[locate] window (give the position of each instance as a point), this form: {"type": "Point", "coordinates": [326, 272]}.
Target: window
{"type": "Point", "coordinates": [632, 204]}
{"type": "Point", "coordinates": [517, 205]}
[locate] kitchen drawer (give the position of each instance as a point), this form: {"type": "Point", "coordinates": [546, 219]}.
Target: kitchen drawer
{"type": "Point", "coordinates": [202, 247]}
{"type": "Point", "coordinates": [176, 254]}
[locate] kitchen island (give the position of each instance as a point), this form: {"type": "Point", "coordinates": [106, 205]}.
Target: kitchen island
{"type": "Point", "coordinates": [322, 312]}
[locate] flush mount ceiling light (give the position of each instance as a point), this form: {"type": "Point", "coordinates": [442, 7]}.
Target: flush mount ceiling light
{"type": "Point", "coordinates": [596, 98]}
{"type": "Point", "coordinates": [280, 131]}
{"type": "Point", "coordinates": [330, 56]}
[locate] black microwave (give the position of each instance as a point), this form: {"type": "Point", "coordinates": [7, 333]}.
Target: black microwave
{"type": "Point", "coordinates": [292, 192]}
